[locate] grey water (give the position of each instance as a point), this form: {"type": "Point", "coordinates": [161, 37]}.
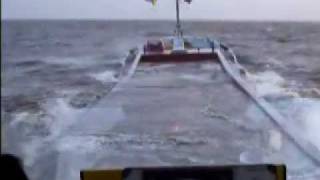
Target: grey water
{"type": "Point", "coordinates": [53, 70]}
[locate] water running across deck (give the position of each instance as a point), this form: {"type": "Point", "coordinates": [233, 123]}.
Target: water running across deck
{"type": "Point", "coordinates": [177, 114]}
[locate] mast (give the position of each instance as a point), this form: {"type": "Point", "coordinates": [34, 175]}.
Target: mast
{"type": "Point", "coordinates": [178, 30]}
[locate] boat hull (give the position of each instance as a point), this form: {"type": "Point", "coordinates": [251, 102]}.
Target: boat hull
{"type": "Point", "coordinates": [177, 57]}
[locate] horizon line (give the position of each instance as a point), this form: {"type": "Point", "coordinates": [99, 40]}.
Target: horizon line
{"type": "Point", "coordinates": [169, 20]}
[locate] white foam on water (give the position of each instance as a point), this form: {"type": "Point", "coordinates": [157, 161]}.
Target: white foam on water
{"type": "Point", "coordinates": [31, 151]}
{"type": "Point", "coordinates": [274, 61]}
{"type": "Point", "coordinates": [69, 61]}
{"type": "Point", "coordinates": [59, 116]}
{"type": "Point", "coordinates": [304, 114]}
{"type": "Point", "coordinates": [199, 78]}
{"type": "Point", "coordinates": [55, 115]}
{"type": "Point", "coordinates": [106, 76]}
{"type": "Point", "coordinates": [19, 117]}
{"type": "Point", "coordinates": [121, 61]}
{"type": "Point", "coordinates": [311, 114]}
{"type": "Point", "coordinates": [63, 114]}
{"type": "Point", "coordinates": [84, 144]}
{"type": "Point", "coordinates": [270, 83]}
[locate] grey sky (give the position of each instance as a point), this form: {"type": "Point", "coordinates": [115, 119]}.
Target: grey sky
{"type": "Point", "coordinates": [299, 10]}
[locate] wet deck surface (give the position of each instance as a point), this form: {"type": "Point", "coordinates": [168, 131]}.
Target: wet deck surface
{"type": "Point", "coordinates": [175, 114]}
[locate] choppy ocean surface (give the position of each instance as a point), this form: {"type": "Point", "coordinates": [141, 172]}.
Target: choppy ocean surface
{"type": "Point", "coordinates": [52, 70]}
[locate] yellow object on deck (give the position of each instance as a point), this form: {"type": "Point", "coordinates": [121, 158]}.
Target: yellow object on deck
{"type": "Point", "coordinates": [101, 175]}
{"type": "Point", "coordinates": [239, 172]}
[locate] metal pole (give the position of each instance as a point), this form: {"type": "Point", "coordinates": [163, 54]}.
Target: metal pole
{"type": "Point", "coordinates": [178, 26]}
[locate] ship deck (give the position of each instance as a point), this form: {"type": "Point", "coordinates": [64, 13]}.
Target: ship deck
{"type": "Point", "coordinates": [177, 114]}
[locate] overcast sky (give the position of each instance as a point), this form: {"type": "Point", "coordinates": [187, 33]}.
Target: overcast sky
{"type": "Point", "coordinates": [296, 10]}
